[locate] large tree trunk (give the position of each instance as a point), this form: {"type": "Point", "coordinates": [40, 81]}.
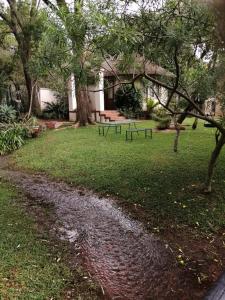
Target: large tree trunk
{"type": "Point", "coordinates": [83, 106]}
{"type": "Point", "coordinates": [212, 163]}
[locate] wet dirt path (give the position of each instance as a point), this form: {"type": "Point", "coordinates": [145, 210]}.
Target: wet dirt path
{"type": "Point", "coordinates": [125, 260]}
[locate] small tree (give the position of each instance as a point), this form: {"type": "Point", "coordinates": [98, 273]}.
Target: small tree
{"type": "Point", "coordinates": [25, 22]}
{"type": "Point", "coordinates": [181, 37]}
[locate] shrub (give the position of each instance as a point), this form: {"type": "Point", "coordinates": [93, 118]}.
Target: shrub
{"type": "Point", "coordinates": [164, 124]}
{"type": "Point", "coordinates": [7, 114]}
{"type": "Point", "coordinates": [128, 99]}
{"type": "Point", "coordinates": [151, 105]}
{"type": "Point", "coordinates": [161, 116]}
{"type": "Point", "coordinates": [161, 112]}
{"type": "Point", "coordinates": [56, 110]}
{"type": "Point", "coordinates": [12, 137]}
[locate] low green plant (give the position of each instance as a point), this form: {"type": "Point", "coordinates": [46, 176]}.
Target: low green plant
{"type": "Point", "coordinates": [151, 105]}
{"type": "Point", "coordinates": [56, 110]}
{"type": "Point", "coordinates": [12, 137]}
{"type": "Point", "coordinates": [7, 114]}
{"type": "Point", "coordinates": [164, 123]}
{"type": "Point", "coordinates": [161, 116]}
{"type": "Point", "coordinates": [161, 112]}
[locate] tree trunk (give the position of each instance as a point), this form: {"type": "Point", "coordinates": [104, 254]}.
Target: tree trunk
{"type": "Point", "coordinates": [29, 86]}
{"type": "Point", "coordinates": [212, 162]}
{"type": "Point", "coordinates": [83, 106]}
{"type": "Point", "coordinates": [175, 148]}
{"type": "Point", "coordinates": [195, 124]}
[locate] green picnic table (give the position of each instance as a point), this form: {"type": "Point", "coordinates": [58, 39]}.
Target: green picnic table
{"type": "Point", "coordinates": [103, 127]}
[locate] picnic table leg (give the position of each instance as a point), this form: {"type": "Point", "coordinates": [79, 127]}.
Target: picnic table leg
{"type": "Point", "coordinates": [116, 129]}
{"type": "Point", "coordinates": [136, 128]}
{"type": "Point", "coordinates": [130, 137]}
{"type": "Point", "coordinates": [101, 130]}
{"type": "Point", "coordinates": [107, 131]}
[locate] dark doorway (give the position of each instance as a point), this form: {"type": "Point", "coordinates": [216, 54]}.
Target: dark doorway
{"type": "Point", "coordinates": [109, 94]}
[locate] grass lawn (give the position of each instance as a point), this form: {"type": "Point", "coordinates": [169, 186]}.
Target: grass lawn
{"type": "Point", "coordinates": [29, 265]}
{"type": "Point", "coordinates": [144, 172]}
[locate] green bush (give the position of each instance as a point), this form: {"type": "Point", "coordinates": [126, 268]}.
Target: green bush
{"type": "Point", "coordinates": [7, 114]}
{"type": "Point", "coordinates": [164, 124]}
{"type": "Point", "coordinates": [56, 110]}
{"type": "Point", "coordinates": [151, 106]}
{"type": "Point", "coordinates": [12, 137]}
{"type": "Point", "coordinates": [128, 99]}
{"type": "Point", "coordinates": [161, 116]}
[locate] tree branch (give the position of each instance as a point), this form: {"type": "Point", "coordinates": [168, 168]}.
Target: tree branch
{"type": "Point", "coordinates": [177, 77]}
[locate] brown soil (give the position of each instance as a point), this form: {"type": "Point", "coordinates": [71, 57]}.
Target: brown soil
{"type": "Point", "coordinates": [199, 255]}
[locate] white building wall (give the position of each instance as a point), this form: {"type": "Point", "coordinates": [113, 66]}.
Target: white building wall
{"type": "Point", "coordinates": [72, 94]}
{"type": "Point", "coordinates": [46, 95]}
{"type": "Point", "coordinates": [162, 94]}
{"type": "Point", "coordinates": [96, 94]}
{"type": "Point", "coordinates": [72, 99]}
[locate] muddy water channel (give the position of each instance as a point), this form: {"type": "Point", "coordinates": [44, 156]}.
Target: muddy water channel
{"type": "Point", "coordinates": [125, 260]}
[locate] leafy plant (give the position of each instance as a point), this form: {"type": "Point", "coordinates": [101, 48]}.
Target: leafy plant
{"type": "Point", "coordinates": [12, 137]}
{"type": "Point", "coordinates": [7, 114]}
{"type": "Point", "coordinates": [161, 116]}
{"type": "Point", "coordinates": [56, 110]}
{"type": "Point", "coordinates": [164, 124]}
{"type": "Point", "coordinates": [128, 99]}
{"type": "Point", "coordinates": [151, 105]}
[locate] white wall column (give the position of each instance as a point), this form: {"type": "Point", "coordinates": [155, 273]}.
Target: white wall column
{"type": "Point", "coordinates": [97, 93]}
{"type": "Point", "coordinates": [101, 93]}
{"type": "Point", "coordinates": [72, 98]}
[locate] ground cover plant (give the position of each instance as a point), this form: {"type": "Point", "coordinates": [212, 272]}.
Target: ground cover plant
{"type": "Point", "coordinates": [31, 266]}
{"type": "Point", "coordinates": [27, 268]}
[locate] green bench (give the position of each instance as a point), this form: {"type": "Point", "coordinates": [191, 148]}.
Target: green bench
{"type": "Point", "coordinates": [102, 127]}
{"type": "Point", "coordinates": [130, 131]}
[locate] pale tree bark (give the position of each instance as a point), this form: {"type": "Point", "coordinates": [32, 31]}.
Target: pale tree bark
{"type": "Point", "coordinates": [212, 163]}
{"type": "Point", "coordinates": [32, 97]}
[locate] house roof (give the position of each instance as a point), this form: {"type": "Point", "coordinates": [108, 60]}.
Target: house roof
{"type": "Point", "coordinates": [139, 65]}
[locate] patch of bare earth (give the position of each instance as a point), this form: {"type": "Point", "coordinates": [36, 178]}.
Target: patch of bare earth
{"type": "Point", "coordinates": [199, 255]}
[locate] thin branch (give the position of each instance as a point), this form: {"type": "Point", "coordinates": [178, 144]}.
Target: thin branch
{"type": "Point", "coordinates": [177, 76]}
{"type": "Point", "coordinates": [116, 84]}
{"type": "Point", "coordinates": [177, 92]}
